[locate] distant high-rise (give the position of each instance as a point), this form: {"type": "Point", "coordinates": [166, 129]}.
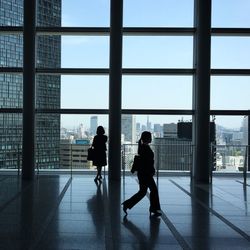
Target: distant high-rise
{"type": "Point", "coordinates": [170, 130]}
{"type": "Point", "coordinates": [149, 128]}
{"type": "Point", "coordinates": [245, 130]}
{"type": "Point", "coordinates": [93, 124]}
{"type": "Point", "coordinates": [158, 130]}
{"type": "Point", "coordinates": [48, 54]}
{"type": "Point", "coordinates": [129, 128]}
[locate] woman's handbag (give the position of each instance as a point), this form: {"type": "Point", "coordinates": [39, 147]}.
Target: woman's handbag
{"type": "Point", "coordinates": [91, 154]}
{"type": "Point", "coordinates": [136, 164]}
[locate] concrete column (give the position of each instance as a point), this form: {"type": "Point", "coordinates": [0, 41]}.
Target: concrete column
{"type": "Point", "coordinates": [115, 87]}
{"type": "Point", "coordinates": [28, 146]}
{"type": "Point", "coordinates": [201, 91]}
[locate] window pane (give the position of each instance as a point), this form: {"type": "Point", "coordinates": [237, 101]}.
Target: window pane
{"type": "Point", "coordinates": [77, 132]}
{"type": "Point", "coordinates": [232, 125]}
{"type": "Point", "coordinates": [157, 92]}
{"type": "Point", "coordinates": [172, 147]}
{"type": "Point", "coordinates": [62, 140]}
{"type": "Point", "coordinates": [73, 51]}
{"type": "Point", "coordinates": [48, 51]}
{"type": "Point", "coordinates": [49, 13]}
{"type": "Point", "coordinates": [85, 92]}
{"type": "Point", "coordinates": [158, 13]}
{"type": "Point", "coordinates": [231, 141]}
{"type": "Point", "coordinates": [11, 91]}
{"type": "Point", "coordinates": [85, 52]}
{"type": "Point", "coordinates": [11, 13]}
{"type": "Point", "coordinates": [231, 13]}
{"type": "Point", "coordinates": [230, 92]}
{"type": "Point", "coordinates": [48, 91]}
{"type": "Point", "coordinates": [11, 50]}
{"type": "Point", "coordinates": [47, 140]}
{"type": "Point", "coordinates": [230, 52]}
{"type": "Point", "coordinates": [158, 52]}
{"type": "Point", "coordinates": [10, 141]}
{"type": "Point", "coordinates": [72, 122]}
{"type": "Point", "coordinates": [95, 13]}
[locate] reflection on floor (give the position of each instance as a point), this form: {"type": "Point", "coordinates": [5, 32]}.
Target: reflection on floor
{"type": "Point", "coordinates": [59, 212]}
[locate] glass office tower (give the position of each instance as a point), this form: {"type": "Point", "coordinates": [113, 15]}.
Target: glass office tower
{"type": "Point", "coordinates": [47, 86]}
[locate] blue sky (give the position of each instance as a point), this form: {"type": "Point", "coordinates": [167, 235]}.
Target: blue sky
{"type": "Point", "coordinates": [159, 52]}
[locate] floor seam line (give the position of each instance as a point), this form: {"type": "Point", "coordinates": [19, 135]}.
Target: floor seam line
{"type": "Point", "coordinates": [48, 220]}
{"type": "Point", "coordinates": [172, 228]}
{"type": "Point", "coordinates": [219, 216]}
{"type": "Point", "coordinates": [241, 182]}
{"type": "Point", "coordinates": [108, 232]}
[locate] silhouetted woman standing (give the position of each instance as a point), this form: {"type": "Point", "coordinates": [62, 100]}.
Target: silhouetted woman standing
{"type": "Point", "coordinates": [100, 148]}
{"type": "Point", "coordinates": [145, 175]}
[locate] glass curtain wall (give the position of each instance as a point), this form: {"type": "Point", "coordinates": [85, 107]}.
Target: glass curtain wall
{"type": "Point", "coordinates": [11, 52]}
{"type": "Point", "coordinates": [230, 83]}
{"type": "Point", "coordinates": [72, 81]}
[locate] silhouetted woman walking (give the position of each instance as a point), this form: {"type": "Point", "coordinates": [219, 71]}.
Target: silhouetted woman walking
{"type": "Point", "coordinates": [145, 175]}
{"type": "Point", "coordinates": [100, 148]}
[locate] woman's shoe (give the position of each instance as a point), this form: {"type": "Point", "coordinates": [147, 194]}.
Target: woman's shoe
{"type": "Point", "coordinates": [125, 209]}
{"type": "Point", "coordinates": [155, 213]}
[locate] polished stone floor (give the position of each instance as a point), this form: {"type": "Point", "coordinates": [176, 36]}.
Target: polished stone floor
{"type": "Point", "coordinates": [60, 212]}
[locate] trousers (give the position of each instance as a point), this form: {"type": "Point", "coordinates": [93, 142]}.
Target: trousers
{"type": "Point", "coordinates": [145, 182]}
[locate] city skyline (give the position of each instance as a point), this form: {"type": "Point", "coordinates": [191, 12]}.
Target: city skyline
{"type": "Point", "coordinates": [132, 129]}
{"type": "Point", "coordinates": [72, 121]}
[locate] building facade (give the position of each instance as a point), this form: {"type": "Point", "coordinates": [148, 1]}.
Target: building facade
{"type": "Point", "coordinates": [47, 86]}
{"type": "Point", "coordinates": [73, 154]}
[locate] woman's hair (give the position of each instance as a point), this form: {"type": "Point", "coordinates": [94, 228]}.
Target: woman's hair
{"type": "Point", "coordinates": [100, 130]}
{"type": "Point", "coordinates": [145, 136]}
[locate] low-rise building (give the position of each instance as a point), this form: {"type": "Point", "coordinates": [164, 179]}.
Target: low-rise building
{"type": "Point", "coordinates": [73, 154]}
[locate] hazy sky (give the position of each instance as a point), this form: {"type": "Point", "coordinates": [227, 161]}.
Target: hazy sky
{"type": "Point", "coordinates": [157, 92]}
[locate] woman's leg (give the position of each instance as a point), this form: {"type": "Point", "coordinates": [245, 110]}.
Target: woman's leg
{"type": "Point", "coordinates": [154, 196]}
{"type": "Point", "coordinates": [136, 197]}
{"type": "Point", "coordinates": [99, 172]}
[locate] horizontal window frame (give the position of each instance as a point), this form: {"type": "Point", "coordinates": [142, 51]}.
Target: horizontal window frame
{"type": "Point", "coordinates": [127, 31]}
{"type": "Point", "coordinates": [129, 111]}
{"type": "Point", "coordinates": [125, 71]}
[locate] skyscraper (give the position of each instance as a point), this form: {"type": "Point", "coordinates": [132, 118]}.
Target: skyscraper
{"type": "Point", "coordinates": [245, 130]}
{"type": "Point", "coordinates": [47, 86]}
{"type": "Point", "coordinates": [129, 128]}
{"type": "Point", "coordinates": [93, 124]}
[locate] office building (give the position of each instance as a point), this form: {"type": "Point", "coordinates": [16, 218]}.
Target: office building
{"type": "Point", "coordinates": [129, 128]}
{"type": "Point", "coordinates": [47, 86]}
{"type": "Point", "coordinates": [73, 154]}
{"type": "Point", "coordinates": [158, 130]}
{"type": "Point", "coordinates": [170, 130]}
